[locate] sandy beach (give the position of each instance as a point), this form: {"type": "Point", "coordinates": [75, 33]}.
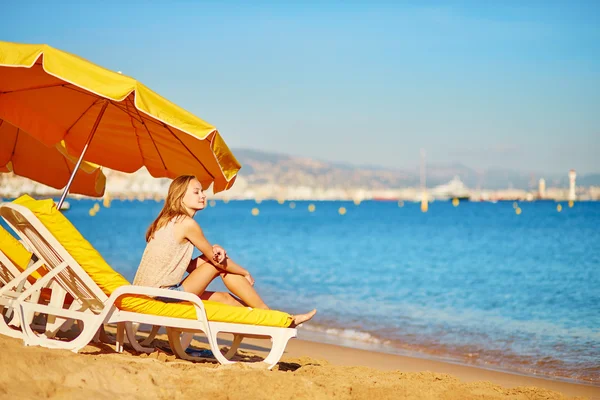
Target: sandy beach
{"type": "Point", "coordinates": [308, 370]}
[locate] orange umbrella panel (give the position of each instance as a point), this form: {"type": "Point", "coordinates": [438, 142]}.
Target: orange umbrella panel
{"type": "Point", "coordinates": [26, 156]}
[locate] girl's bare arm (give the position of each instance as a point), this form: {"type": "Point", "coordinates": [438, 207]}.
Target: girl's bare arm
{"type": "Point", "coordinates": [194, 234]}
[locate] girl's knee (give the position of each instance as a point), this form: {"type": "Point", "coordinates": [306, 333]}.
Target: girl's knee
{"type": "Point", "coordinates": [226, 298]}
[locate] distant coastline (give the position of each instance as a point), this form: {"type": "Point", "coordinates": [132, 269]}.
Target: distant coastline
{"type": "Point", "coordinates": [275, 176]}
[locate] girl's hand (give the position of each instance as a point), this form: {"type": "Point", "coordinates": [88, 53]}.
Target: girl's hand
{"type": "Point", "coordinates": [219, 254]}
{"type": "Point", "coordinates": [249, 278]}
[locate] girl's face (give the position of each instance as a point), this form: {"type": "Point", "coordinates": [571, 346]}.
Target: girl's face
{"type": "Point", "coordinates": [194, 198]}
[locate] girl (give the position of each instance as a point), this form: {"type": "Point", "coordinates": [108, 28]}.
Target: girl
{"type": "Point", "coordinates": [168, 255]}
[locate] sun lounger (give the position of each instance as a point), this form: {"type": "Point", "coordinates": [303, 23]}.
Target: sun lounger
{"type": "Point", "coordinates": [17, 272]}
{"type": "Point", "coordinates": [102, 296]}
{"type": "Point", "coordinates": [14, 259]}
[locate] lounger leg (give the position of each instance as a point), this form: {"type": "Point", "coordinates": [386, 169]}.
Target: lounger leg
{"type": "Point", "coordinates": [30, 338]}
{"type": "Point", "coordinates": [175, 343]}
{"type": "Point", "coordinates": [176, 346]}
{"type": "Point", "coordinates": [120, 337]}
{"type": "Point", "coordinates": [90, 325]}
{"type": "Point", "coordinates": [70, 322]}
{"type": "Point", "coordinates": [186, 340]}
{"type": "Point", "coordinates": [96, 338]}
{"type": "Point", "coordinates": [6, 330]}
{"type": "Point", "coordinates": [214, 346]}
{"type": "Point", "coordinates": [57, 300]}
{"type": "Point", "coordinates": [237, 340]}
{"type": "Point", "coordinates": [153, 332]}
{"type": "Point", "coordinates": [133, 341]}
{"type": "Point", "coordinates": [279, 343]}
{"type": "Point", "coordinates": [151, 335]}
{"type": "Point", "coordinates": [14, 321]}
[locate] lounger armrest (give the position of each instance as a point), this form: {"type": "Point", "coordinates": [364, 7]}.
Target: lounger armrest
{"type": "Point", "coordinates": [155, 292]}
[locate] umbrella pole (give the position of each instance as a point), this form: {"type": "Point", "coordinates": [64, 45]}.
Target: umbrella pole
{"type": "Point", "coordinates": [87, 143]}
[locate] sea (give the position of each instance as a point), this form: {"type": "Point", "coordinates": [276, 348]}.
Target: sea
{"type": "Point", "coordinates": [504, 286]}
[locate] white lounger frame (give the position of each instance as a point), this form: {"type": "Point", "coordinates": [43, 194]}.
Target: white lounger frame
{"type": "Point", "coordinates": [12, 283]}
{"type": "Point", "coordinates": [94, 308]}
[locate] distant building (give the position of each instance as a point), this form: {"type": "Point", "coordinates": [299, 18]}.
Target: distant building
{"type": "Point", "coordinates": [572, 178]}
{"type": "Point", "coordinates": [542, 188]}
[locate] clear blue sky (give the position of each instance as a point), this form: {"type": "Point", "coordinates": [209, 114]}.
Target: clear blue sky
{"type": "Point", "coordinates": [515, 84]}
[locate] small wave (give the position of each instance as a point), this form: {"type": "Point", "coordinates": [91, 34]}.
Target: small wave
{"type": "Point", "coordinates": [349, 334]}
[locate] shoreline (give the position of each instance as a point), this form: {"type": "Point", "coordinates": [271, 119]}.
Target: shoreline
{"type": "Point", "coordinates": [348, 356]}
{"type": "Point", "coordinates": [378, 345]}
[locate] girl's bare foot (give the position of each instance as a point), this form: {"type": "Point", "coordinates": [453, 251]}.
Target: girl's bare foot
{"type": "Point", "coordinates": [301, 318]}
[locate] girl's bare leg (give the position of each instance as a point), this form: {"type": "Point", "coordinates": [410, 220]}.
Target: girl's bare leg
{"type": "Point", "coordinates": [240, 286]}
{"type": "Point", "coordinates": [246, 292]}
{"type": "Point", "coordinates": [221, 297]}
{"type": "Point", "coordinates": [203, 272]}
{"type": "Point", "coordinates": [201, 275]}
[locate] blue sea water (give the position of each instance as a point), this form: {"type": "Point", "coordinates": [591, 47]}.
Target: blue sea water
{"type": "Point", "coordinates": [475, 284]}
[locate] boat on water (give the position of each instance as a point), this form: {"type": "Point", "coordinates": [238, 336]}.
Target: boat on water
{"type": "Point", "coordinates": [455, 189]}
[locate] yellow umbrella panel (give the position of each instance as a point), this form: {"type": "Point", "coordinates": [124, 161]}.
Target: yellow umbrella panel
{"type": "Point", "coordinates": [113, 119]}
{"type": "Point", "coordinates": [26, 156]}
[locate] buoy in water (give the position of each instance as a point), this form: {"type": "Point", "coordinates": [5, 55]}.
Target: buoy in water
{"type": "Point", "coordinates": [255, 211]}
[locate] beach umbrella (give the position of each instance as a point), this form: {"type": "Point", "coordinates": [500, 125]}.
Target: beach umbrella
{"type": "Point", "coordinates": [110, 119]}
{"type": "Point", "coordinates": [26, 156]}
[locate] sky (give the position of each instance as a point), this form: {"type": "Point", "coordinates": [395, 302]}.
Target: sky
{"type": "Point", "coordinates": [511, 84]}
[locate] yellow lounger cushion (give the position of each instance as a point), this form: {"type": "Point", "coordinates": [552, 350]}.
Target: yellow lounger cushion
{"type": "Point", "coordinates": [15, 251]}
{"type": "Point", "coordinates": [109, 280]}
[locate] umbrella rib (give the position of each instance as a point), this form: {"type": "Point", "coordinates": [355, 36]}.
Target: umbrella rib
{"type": "Point", "coordinates": [67, 165]}
{"type": "Point", "coordinates": [149, 134]}
{"type": "Point", "coordinates": [36, 87]}
{"type": "Point", "coordinates": [189, 151]}
{"type": "Point", "coordinates": [12, 153]}
{"type": "Point", "coordinates": [126, 111]}
{"type": "Point", "coordinates": [141, 116]}
{"type": "Point", "coordinates": [81, 116]}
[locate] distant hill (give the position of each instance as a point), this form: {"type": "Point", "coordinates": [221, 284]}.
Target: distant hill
{"type": "Point", "coordinates": [261, 167]}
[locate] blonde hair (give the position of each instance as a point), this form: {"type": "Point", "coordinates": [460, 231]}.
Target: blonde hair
{"type": "Point", "coordinates": [173, 207]}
